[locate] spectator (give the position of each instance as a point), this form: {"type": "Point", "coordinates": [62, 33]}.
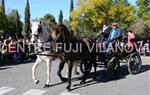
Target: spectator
{"type": "Point", "coordinates": [19, 50]}
{"type": "Point", "coordinates": [5, 52]}
{"type": "Point", "coordinates": [12, 50]}
{"type": "Point", "coordinates": [26, 52]}
{"type": "Point", "coordinates": [2, 38]}
{"type": "Point", "coordinates": [1, 42]}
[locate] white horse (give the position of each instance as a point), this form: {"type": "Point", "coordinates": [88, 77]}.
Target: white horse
{"type": "Point", "coordinates": [40, 35]}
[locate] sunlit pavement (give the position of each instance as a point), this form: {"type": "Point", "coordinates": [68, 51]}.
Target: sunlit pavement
{"type": "Point", "coordinates": [17, 80]}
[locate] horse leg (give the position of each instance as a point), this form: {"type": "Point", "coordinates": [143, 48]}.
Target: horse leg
{"type": "Point", "coordinates": [75, 70]}
{"type": "Point", "coordinates": [34, 67]}
{"type": "Point", "coordinates": [95, 69]}
{"type": "Point", "coordinates": [85, 74]}
{"type": "Point", "coordinates": [70, 65]}
{"type": "Point", "coordinates": [49, 63]}
{"type": "Point", "coordinates": [61, 66]}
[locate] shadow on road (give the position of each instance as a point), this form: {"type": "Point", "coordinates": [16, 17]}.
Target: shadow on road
{"type": "Point", "coordinates": [144, 68]}
{"type": "Point", "coordinates": [3, 68]}
{"type": "Point", "coordinates": [56, 84]}
{"type": "Point", "coordinates": [104, 76]}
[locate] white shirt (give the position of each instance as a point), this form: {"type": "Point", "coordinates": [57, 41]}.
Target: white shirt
{"type": "Point", "coordinates": [104, 28]}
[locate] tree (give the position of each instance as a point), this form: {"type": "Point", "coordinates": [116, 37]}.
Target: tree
{"type": "Point", "coordinates": [141, 27]}
{"type": "Point", "coordinates": [18, 25]}
{"type": "Point", "coordinates": [143, 10]}
{"type": "Point", "coordinates": [66, 22]}
{"type": "Point", "coordinates": [47, 19]}
{"type": "Point", "coordinates": [3, 19]}
{"type": "Point", "coordinates": [61, 17]}
{"type": "Point", "coordinates": [91, 13]}
{"type": "Point", "coordinates": [71, 9]}
{"type": "Point", "coordinates": [125, 2]}
{"type": "Point", "coordinates": [14, 26]}
{"type": "Point", "coordinates": [11, 23]}
{"type": "Point", "coordinates": [26, 27]}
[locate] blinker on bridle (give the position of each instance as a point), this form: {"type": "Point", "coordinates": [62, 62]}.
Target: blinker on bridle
{"type": "Point", "coordinates": [39, 31]}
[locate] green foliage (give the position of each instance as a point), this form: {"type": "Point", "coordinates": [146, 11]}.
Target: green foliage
{"type": "Point", "coordinates": [14, 25]}
{"type": "Point", "coordinates": [60, 17]}
{"type": "Point", "coordinates": [47, 19]}
{"type": "Point", "coordinates": [91, 13]}
{"type": "Point", "coordinates": [66, 22]}
{"type": "Point", "coordinates": [3, 20]}
{"type": "Point", "coordinates": [71, 6]}
{"type": "Point", "coordinates": [10, 24]}
{"type": "Point", "coordinates": [26, 27]}
{"type": "Point", "coordinates": [2, 9]}
{"type": "Point", "coordinates": [143, 9]}
{"type": "Point", "coordinates": [18, 25]}
{"type": "Point", "coordinates": [71, 9]}
{"type": "Point", "coordinates": [141, 27]}
{"type": "Point", "coordinates": [125, 2]}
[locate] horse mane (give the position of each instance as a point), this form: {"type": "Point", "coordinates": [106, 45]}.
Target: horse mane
{"type": "Point", "coordinates": [68, 35]}
{"type": "Point", "coordinates": [52, 31]}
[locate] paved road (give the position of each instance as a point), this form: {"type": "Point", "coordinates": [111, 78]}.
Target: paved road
{"type": "Point", "coordinates": [16, 80]}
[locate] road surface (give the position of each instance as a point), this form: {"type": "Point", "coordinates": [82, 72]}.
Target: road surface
{"type": "Point", "coordinates": [17, 80]}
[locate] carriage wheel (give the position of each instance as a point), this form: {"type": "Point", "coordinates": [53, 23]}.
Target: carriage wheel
{"type": "Point", "coordinates": [85, 66]}
{"type": "Point", "coordinates": [134, 63]}
{"type": "Point", "coordinates": [113, 65]}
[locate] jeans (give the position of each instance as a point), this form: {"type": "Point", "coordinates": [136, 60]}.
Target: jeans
{"type": "Point", "coordinates": [108, 46]}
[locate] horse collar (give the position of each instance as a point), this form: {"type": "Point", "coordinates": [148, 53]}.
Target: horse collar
{"type": "Point", "coordinates": [49, 40]}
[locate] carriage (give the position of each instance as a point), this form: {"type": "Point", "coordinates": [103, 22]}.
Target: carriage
{"type": "Point", "coordinates": [113, 62]}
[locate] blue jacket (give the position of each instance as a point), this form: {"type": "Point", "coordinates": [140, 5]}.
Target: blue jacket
{"type": "Point", "coordinates": [117, 35]}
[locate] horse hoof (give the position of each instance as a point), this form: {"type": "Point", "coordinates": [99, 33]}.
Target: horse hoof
{"type": "Point", "coordinates": [64, 79]}
{"type": "Point", "coordinates": [68, 89]}
{"type": "Point", "coordinates": [37, 82]}
{"type": "Point", "coordinates": [46, 86]}
{"type": "Point", "coordinates": [82, 82]}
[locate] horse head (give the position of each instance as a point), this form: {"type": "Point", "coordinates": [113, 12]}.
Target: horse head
{"type": "Point", "coordinates": [63, 34]}
{"type": "Point", "coordinates": [36, 30]}
{"type": "Point", "coordinates": [39, 32]}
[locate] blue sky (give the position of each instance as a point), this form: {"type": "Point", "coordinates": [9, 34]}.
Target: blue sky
{"type": "Point", "coordinates": [39, 8]}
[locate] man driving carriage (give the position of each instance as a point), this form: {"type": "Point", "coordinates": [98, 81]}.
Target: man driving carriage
{"type": "Point", "coordinates": [104, 34]}
{"type": "Point", "coordinates": [114, 35]}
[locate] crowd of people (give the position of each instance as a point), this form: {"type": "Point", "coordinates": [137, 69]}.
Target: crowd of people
{"type": "Point", "coordinates": [10, 54]}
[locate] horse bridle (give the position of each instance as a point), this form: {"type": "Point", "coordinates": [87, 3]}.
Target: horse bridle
{"type": "Point", "coordinates": [39, 31]}
{"type": "Point", "coordinates": [61, 34]}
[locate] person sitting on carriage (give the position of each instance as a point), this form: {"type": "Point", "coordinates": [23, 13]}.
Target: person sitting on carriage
{"type": "Point", "coordinates": [114, 35]}
{"type": "Point", "coordinates": [104, 34]}
{"type": "Point", "coordinates": [131, 36]}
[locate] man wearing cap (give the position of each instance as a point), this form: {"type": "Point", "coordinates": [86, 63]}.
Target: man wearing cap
{"type": "Point", "coordinates": [115, 34]}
